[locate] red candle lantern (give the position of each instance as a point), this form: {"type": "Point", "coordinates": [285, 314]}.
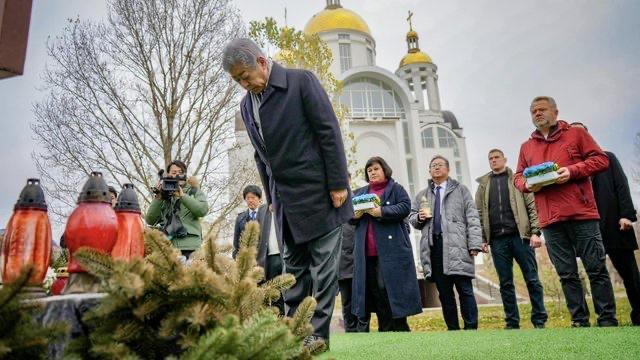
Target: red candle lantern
{"type": "Point", "coordinates": [62, 276]}
{"type": "Point", "coordinates": [27, 240]}
{"type": "Point", "coordinates": [93, 223]}
{"type": "Point", "coordinates": [130, 242]}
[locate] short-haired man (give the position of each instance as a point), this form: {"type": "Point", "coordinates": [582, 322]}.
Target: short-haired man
{"type": "Point", "coordinates": [268, 255]}
{"type": "Point", "coordinates": [301, 161]}
{"type": "Point", "coordinates": [510, 226]}
{"type": "Point", "coordinates": [567, 209]}
{"type": "Point", "coordinates": [617, 214]}
{"type": "Point", "coordinates": [451, 238]}
{"type": "Point", "coordinates": [178, 216]}
{"type": "Point", "coordinates": [114, 196]}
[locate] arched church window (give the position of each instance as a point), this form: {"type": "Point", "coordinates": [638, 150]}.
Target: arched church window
{"type": "Point", "coordinates": [427, 138]}
{"type": "Point", "coordinates": [446, 139]}
{"type": "Point", "coordinates": [371, 98]}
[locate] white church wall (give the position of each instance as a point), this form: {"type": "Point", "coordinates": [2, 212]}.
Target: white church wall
{"type": "Point", "coordinates": [359, 43]}
{"type": "Point", "coordinates": [377, 139]}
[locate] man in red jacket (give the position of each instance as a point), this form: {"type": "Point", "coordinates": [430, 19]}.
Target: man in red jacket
{"type": "Point", "coordinates": [567, 210]}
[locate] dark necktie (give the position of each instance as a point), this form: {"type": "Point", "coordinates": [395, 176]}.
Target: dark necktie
{"type": "Point", "coordinates": [437, 221]}
{"type": "Point", "coordinates": [253, 215]}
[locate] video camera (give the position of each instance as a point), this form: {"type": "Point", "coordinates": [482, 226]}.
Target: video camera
{"type": "Point", "coordinates": [168, 185]}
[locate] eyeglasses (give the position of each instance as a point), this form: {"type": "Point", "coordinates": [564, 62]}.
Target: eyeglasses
{"type": "Point", "coordinates": [436, 166]}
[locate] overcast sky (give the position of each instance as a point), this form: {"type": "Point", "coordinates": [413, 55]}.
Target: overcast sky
{"type": "Point", "coordinates": [493, 57]}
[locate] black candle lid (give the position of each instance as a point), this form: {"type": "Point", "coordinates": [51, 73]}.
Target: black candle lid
{"type": "Point", "coordinates": [127, 200]}
{"type": "Point", "coordinates": [31, 196]}
{"type": "Point", "coordinates": [95, 190]}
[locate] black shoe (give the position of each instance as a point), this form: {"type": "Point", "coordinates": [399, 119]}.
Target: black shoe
{"type": "Point", "coordinates": [577, 324]}
{"type": "Point", "coordinates": [511, 327]}
{"type": "Point", "coordinates": [538, 326]}
{"type": "Point", "coordinates": [608, 324]}
{"type": "Point", "coordinates": [313, 339]}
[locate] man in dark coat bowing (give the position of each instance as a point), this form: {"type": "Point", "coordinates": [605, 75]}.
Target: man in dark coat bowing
{"type": "Point", "coordinates": [301, 161]}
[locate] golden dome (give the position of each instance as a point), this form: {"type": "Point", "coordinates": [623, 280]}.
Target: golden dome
{"type": "Point", "coordinates": [412, 34]}
{"type": "Point", "coordinates": [415, 58]}
{"type": "Point", "coordinates": [336, 19]}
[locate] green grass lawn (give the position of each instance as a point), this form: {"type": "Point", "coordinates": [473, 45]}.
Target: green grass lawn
{"type": "Point", "coordinates": [492, 317]}
{"type": "Point", "coordinates": [430, 340]}
{"type": "Point", "coordinates": [587, 343]}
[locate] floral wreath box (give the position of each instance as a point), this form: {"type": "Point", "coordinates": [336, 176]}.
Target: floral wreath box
{"type": "Point", "coordinates": [365, 202]}
{"type": "Point", "coordinates": [541, 174]}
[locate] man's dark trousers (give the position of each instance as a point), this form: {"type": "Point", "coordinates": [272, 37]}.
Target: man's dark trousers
{"type": "Point", "coordinates": [351, 322]}
{"type": "Point", "coordinates": [568, 239]}
{"type": "Point", "coordinates": [625, 263]}
{"type": "Point", "coordinates": [445, 284]}
{"type": "Point", "coordinates": [315, 261]}
{"type": "Point", "coordinates": [504, 250]}
{"type": "Point", "coordinates": [273, 268]}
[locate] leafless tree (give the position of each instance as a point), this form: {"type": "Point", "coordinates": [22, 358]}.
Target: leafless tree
{"type": "Point", "coordinates": [128, 95]}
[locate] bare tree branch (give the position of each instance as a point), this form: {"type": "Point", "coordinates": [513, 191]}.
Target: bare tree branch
{"type": "Point", "coordinates": [128, 95]}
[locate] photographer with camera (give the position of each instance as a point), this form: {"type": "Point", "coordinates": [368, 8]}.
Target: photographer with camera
{"type": "Point", "coordinates": [177, 208]}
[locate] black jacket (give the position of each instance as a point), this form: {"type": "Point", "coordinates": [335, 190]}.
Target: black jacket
{"type": "Point", "coordinates": [263, 217]}
{"type": "Point", "coordinates": [346, 255]}
{"type": "Point", "coordinates": [611, 190]}
{"type": "Point", "coordinates": [302, 156]}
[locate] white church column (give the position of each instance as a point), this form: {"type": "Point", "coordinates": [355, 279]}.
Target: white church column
{"type": "Point", "coordinates": [432, 91]}
{"type": "Point", "coordinates": [417, 88]}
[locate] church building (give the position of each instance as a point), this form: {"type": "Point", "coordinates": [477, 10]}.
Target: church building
{"type": "Point", "coordinates": [395, 114]}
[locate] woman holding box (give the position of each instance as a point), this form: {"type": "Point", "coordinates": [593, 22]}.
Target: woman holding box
{"type": "Point", "coordinates": [384, 279]}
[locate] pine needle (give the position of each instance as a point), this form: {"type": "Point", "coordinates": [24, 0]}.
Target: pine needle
{"type": "Point", "coordinates": [95, 262]}
{"type": "Point", "coordinates": [10, 291]}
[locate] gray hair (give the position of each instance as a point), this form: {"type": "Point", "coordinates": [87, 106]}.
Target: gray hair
{"type": "Point", "coordinates": [242, 51]}
{"type": "Point", "coordinates": [446, 162]}
{"type": "Point", "coordinates": [548, 99]}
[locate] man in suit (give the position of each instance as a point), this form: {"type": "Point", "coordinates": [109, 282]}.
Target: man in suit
{"type": "Point", "coordinates": [252, 196]}
{"type": "Point", "coordinates": [268, 255]}
{"type": "Point", "coordinates": [301, 160]}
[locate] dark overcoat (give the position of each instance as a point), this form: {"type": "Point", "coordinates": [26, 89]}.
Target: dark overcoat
{"type": "Point", "coordinates": [395, 256]}
{"type": "Point", "coordinates": [300, 156]}
{"type": "Point", "coordinates": [345, 269]}
{"type": "Point", "coordinates": [611, 190]}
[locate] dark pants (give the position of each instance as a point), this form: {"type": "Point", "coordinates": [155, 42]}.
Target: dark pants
{"type": "Point", "coordinates": [625, 263]}
{"type": "Point", "coordinates": [377, 299]}
{"type": "Point", "coordinates": [504, 250]}
{"type": "Point", "coordinates": [445, 285]}
{"type": "Point", "coordinates": [273, 268]}
{"type": "Point", "coordinates": [314, 264]}
{"type": "Point", "coordinates": [351, 322]}
{"type": "Point", "coordinates": [565, 241]}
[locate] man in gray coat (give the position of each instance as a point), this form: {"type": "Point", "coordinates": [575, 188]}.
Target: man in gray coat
{"type": "Point", "coordinates": [451, 238]}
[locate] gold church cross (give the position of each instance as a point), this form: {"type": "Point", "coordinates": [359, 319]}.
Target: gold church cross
{"type": "Point", "coordinates": [409, 20]}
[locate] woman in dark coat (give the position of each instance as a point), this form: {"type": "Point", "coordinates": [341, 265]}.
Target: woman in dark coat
{"type": "Point", "coordinates": [384, 278]}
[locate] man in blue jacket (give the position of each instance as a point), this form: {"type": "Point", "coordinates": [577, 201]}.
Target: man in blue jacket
{"type": "Point", "coordinates": [301, 161]}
